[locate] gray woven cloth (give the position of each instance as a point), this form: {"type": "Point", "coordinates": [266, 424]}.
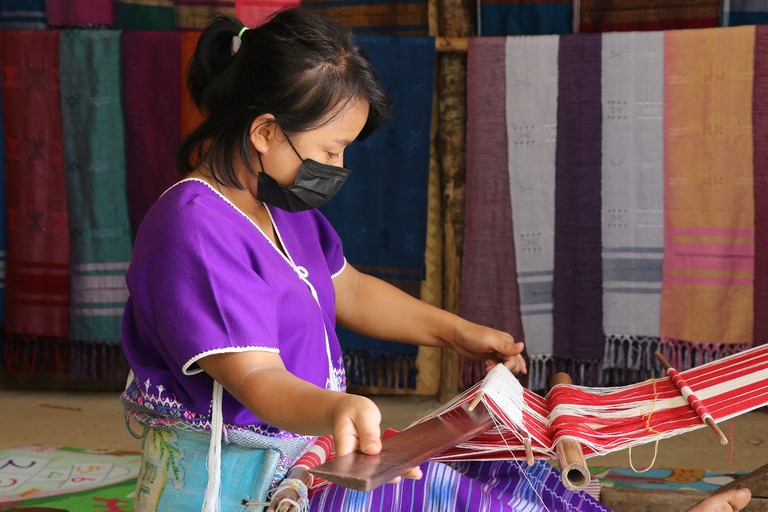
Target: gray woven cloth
{"type": "Point", "coordinates": [531, 98]}
{"type": "Point", "coordinates": [633, 181]}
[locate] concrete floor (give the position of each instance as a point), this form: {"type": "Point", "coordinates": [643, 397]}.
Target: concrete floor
{"type": "Point", "coordinates": [95, 420]}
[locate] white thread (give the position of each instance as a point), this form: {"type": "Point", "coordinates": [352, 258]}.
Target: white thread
{"type": "Point", "coordinates": [212, 499]}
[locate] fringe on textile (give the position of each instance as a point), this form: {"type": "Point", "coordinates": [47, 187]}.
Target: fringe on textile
{"type": "Point", "coordinates": [582, 372]}
{"type": "Point", "coordinates": [684, 355]}
{"type": "Point", "coordinates": [373, 369]}
{"type": "Point", "coordinates": [629, 359]}
{"type": "Point", "coordinates": [35, 354]}
{"type": "Point", "coordinates": [102, 361]}
{"type": "Point", "coordinates": [540, 369]}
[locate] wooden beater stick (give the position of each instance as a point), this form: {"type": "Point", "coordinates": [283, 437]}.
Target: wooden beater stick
{"type": "Point", "coordinates": [570, 456]}
{"type": "Point", "coordinates": [694, 402]}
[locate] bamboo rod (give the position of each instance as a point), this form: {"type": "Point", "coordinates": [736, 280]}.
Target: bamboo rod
{"type": "Point", "coordinates": [573, 466]}
{"type": "Point", "coordinates": [451, 44]}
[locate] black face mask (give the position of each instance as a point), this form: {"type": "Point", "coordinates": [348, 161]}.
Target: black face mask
{"type": "Point", "coordinates": [315, 185]}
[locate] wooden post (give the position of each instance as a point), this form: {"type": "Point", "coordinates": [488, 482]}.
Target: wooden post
{"type": "Point", "coordinates": [453, 21]}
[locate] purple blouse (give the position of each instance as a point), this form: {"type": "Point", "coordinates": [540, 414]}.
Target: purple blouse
{"type": "Point", "coordinates": [204, 279]}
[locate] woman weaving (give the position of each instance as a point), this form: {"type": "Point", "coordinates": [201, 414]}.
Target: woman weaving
{"type": "Point", "coordinates": [237, 282]}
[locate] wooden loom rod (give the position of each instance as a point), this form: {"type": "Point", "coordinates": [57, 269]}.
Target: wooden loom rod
{"type": "Point", "coordinates": [451, 44]}
{"type": "Point", "coordinates": [570, 456]}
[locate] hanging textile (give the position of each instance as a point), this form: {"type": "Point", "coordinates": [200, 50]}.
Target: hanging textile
{"type": "Point", "coordinates": [144, 15]}
{"type": "Point", "coordinates": [708, 197]}
{"type": "Point", "coordinates": [197, 14]}
{"type": "Point", "coordinates": [254, 12]}
{"type": "Point", "coordinates": [532, 125]}
{"type": "Point", "coordinates": [3, 225]}
{"type": "Point", "coordinates": [577, 290]}
{"type": "Point", "coordinates": [37, 279]}
{"type": "Point", "coordinates": [151, 108]}
{"type": "Point", "coordinates": [743, 12]}
{"type": "Point", "coordinates": [190, 114]}
{"type": "Point", "coordinates": [633, 203]}
{"type": "Point", "coordinates": [80, 13]}
{"type": "Point", "coordinates": [489, 292]}
{"type": "Point", "coordinates": [23, 14]}
{"type": "Point", "coordinates": [524, 17]}
{"type": "Point", "coordinates": [395, 17]}
{"type": "Point", "coordinates": [629, 15]}
{"type": "Point", "coordinates": [100, 234]}
{"type": "Point", "coordinates": [381, 212]}
{"type": "Point", "coordinates": [760, 162]}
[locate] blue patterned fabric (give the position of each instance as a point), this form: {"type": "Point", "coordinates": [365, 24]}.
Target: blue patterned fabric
{"type": "Point", "coordinates": [524, 18]}
{"type": "Point", "coordinates": [734, 13]}
{"type": "Point", "coordinates": [23, 14]}
{"type": "Point", "coordinates": [381, 212]}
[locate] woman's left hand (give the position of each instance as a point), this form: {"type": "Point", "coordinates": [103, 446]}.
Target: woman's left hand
{"type": "Point", "coordinates": [479, 342]}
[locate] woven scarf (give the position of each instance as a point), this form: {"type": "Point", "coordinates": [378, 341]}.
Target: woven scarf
{"type": "Point", "coordinates": [760, 162]}
{"type": "Point", "coordinates": [80, 13]}
{"type": "Point", "coordinates": [23, 14]}
{"type": "Point", "coordinates": [489, 291]}
{"type": "Point", "coordinates": [151, 107]}
{"type": "Point", "coordinates": [524, 17]}
{"type": "Point", "coordinates": [37, 279]}
{"type": "Point", "coordinates": [144, 15]}
{"type": "Point", "coordinates": [254, 12]}
{"type": "Point", "coordinates": [393, 17]}
{"type": "Point", "coordinates": [190, 114]}
{"type": "Point", "coordinates": [531, 122]}
{"type": "Point", "coordinates": [197, 14]}
{"type": "Point", "coordinates": [94, 158]}
{"type": "Point", "coordinates": [633, 181]}
{"type": "Point", "coordinates": [577, 293]}
{"type": "Point", "coordinates": [381, 212]}
{"type": "Point", "coordinates": [734, 13]}
{"type": "Point", "coordinates": [629, 15]}
{"type": "Point", "coordinates": [708, 197]}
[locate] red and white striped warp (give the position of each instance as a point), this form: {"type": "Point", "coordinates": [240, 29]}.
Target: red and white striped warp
{"type": "Point", "coordinates": [693, 400]}
{"type": "Point", "coordinates": [604, 420]}
{"type": "Point", "coordinates": [319, 452]}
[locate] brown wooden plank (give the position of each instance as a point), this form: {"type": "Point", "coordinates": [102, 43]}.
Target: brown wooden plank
{"type": "Point", "coordinates": [756, 481]}
{"type": "Point", "coordinates": [405, 450]}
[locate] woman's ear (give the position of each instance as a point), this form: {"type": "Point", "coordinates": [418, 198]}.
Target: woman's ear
{"type": "Point", "coordinates": [263, 133]}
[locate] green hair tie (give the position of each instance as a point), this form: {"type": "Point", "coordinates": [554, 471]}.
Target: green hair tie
{"type": "Point", "coordinates": [240, 35]}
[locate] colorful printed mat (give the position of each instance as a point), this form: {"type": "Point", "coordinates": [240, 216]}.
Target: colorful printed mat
{"type": "Point", "coordinates": [669, 479]}
{"type": "Point", "coordinates": [68, 479]}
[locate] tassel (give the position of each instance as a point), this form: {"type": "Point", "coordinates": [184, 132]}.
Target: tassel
{"type": "Point", "coordinates": [212, 499]}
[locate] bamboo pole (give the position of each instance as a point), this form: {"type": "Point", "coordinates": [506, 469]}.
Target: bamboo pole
{"type": "Point", "coordinates": [574, 472]}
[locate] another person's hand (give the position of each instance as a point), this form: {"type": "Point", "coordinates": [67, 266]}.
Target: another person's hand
{"type": "Point", "coordinates": [479, 342]}
{"type": "Point", "coordinates": [357, 425]}
{"type": "Point", "coordinates": [728, 501]}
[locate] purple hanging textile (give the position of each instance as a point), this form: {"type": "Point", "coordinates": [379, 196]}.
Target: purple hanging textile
{"type": "Point", "coordinates": [760, 163]}
{"type": "Point", "coordinates": [80, 13]}
{"type": "Point", "coordinates": [578, 313]}
{"type": "Point", "coordinates": [489, 294]}
{"type": "Point", "coordinates": [152, 111]}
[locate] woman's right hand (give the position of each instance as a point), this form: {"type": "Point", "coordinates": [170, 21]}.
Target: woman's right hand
{"type": "Point", "coordinates": [357, 425]}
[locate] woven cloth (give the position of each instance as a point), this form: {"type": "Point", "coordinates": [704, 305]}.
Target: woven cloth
{"type": "Point", "coordinates": [94, 158]}
{"type": "Point", "coordinates": [151, 90]}
{"type": "Point", "coordinates": [381, 212]}
{"type": "Point", "coordinates": [633, 181]}
{"type": "Point", "coordinates": [524, 17]}
{"type": "Point", "coordinates": [37, 278]}
{"type": "Point", "coordinates": [760, 162]}
{"type": "Point", "coordinates": [144, 15]}
{"type": "Point", "coordinates": [80, 13]}
{"type": "Point", "coordinates": [708, 197]}
{"type": "Point", "coordinates": [190, 114]}
{"type": "Point", "coordinates": [743, 12]}
{"type": "Point", "coordinates": [254, 12]}
{"type": "Point", "coordinates": [23, 14]}
{"type": "Point", "coordinates": [531, 119]}
{"type": "Point", "coordinates": [3, 222]}
{"type": "Point", "coordinates": [628, 15]}
{"type": "Point", "coordinates": [489, 293]}
{"type": "Point", "coordinates": [394, 17]}
{"type": "Point", "coordinates": [577, 291]}
{"type": "Point", "coordinates": [197, 14]}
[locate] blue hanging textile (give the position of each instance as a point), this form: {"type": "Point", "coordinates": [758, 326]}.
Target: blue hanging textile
{"type": "Point", "coordinates": [23, 14]}
{"type": "Point", "coordinates": [524, 17]}
{"type": "Point", "coordinates": [381, 212]}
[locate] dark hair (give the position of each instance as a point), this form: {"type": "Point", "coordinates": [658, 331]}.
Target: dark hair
{"type": "Point", "coordinates": [298, 66]}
